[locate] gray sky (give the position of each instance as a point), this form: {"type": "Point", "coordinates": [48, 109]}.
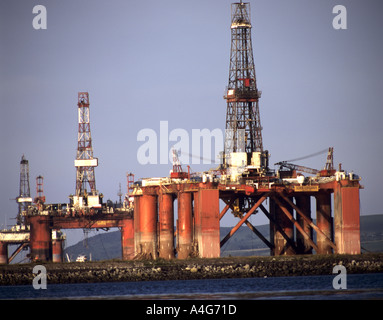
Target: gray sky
{"type": "Point", "coordinates": [147, 61]}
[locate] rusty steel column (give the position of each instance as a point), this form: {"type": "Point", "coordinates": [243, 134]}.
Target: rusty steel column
{"type": "Point", "coordinates": [303, 202]}
{"type": "Point", "coordinates": [57, 250]}
{"type": "Point", "coordinates": [40, 238]}
{"type": "Point", "coordinates": [127, 239]}
{"type": "Point", "coordinates": [208, 224]}
{"type": "Point", "coordinates": [272, 226]}
{"type": "Point", "coordinates": [284, 231]}
{"type": "Point", "coordinates": [148, 226]}
{"type": "Point", "coordinates": [3, 253]}
{"type": "Point", "coordinates": [324, 222]}
{"type": "Point", "coordinates": [136, 224]}
{"type": "Point", "coordinates": [166, 225]}
{"type": "Point", "coordinates": [347, 219]}
{"type": "Point", "coordinates": [185, 225]}
{"type": "Point", "coordinates": [196, 222]}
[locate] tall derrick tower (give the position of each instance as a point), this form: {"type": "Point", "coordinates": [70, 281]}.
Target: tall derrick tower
{"type": "Point", "coordinates": [243, 140]}
{"type": "Point", "coordinates": [85, 162]}
{"type": "Point", "coordinates": [24, 199]}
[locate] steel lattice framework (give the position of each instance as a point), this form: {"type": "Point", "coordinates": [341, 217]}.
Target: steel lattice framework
{"type": "Point", "coordinates": [24, 199]}
{"type": "Point", "coordinates": [85, 162]}
{"type": "Point", "coordinates": [243, 124]}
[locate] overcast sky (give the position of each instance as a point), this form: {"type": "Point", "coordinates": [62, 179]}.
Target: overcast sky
{"type": "Point", "coordinates": [143, 62]}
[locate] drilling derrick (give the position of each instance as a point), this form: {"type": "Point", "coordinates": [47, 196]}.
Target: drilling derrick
{"type": "Point", "coordinates": [24, 199]}
{"type": "Point", "coordinates": [85, 162]}
{"type": "Point", "coordinates": [243, 141]}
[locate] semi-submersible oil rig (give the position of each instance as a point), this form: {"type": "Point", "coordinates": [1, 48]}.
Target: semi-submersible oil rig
{"type": "Point", "coordinates": [243, 182]}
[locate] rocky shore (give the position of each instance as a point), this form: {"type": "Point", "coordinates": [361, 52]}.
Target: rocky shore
{"type": "Point", "coordinates": [232, 267]}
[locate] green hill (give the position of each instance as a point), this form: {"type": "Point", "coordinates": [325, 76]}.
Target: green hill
{"type": "Point", "coordinates": [371, 233]}
{"type": "Point", "coordinates": [103, 246]}
{"type": "Point", "coordinates": [244, 242]}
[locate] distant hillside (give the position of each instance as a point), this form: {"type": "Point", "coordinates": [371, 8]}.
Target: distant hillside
{"type": "Point", "coordinates": [371, 233]}
{"type": "Point", "coordinates": [103, 246]}
{"type": "Point", "coordinates": [244, 242]}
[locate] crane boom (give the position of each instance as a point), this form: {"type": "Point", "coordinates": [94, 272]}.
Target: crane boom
{"type": "Point", "coordinates": [329, 167]}
{"type": "Point", "coordinates": [292, 166]}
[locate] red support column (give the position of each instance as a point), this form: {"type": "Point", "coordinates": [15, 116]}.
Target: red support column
{"type": "Point", "coordinates": [148, 225]}
{"type": "Point", "coordinates": [40, 238]}
{"type": "Point", "coordinates": [166, 225]}
{"type": "Point", "coordinates": [304, 204]}
{"type": "Point", "coordinates": [136, 224]}
{"type": "Point", "coordinates": [208, 213]}
{"type": "Point", "coordinates": [57, 247]}
{"type": "Point", "coordinates": [324, 222]}
{"type": "Point", "coordinates": [284, 230]}
{"type": "Point", "coordinates": [185, 225]}
{"type": "Point", "coordinates": [127, 239]}
{"type": "Point", "coordinates": [272, 226]}
{"type": "Point", "coordinates": [4, 253]}
{"type": "Point", "coordinates": [57, 251]}
{"type": "Point", "coordinates": [196, 222]}
{"type": "Point", "coordinates": [347, 219]}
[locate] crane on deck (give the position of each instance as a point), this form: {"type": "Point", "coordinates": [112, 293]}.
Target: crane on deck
{"type": "Point", "coordinates": [327, 171]}
{"type": "Point", "coordinates": [292, 166]}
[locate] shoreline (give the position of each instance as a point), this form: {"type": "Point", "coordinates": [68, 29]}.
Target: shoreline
{"type": "Point", "coordinates": [188, 269]}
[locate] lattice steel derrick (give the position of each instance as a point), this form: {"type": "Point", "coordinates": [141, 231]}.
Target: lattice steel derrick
{"type": "Point", "coordinates": [25, 191]}
{"type": "Point", "coordinates": [24, 199]}
{"type": "Point", "coordinates": [84, 169]}
{"type": "Point", "coordinates": [243, 124]}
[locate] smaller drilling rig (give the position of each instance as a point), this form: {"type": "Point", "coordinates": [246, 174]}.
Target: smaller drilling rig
{"type": "Point", "coordinates": [85, 162]}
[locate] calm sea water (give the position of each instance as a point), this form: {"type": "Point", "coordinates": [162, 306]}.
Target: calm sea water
{"type": "Point", "coordinates": [359, 286]}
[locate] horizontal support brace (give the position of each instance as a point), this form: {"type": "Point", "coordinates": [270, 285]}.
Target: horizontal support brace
{"type": "Point", "coordinates": [111, 221]}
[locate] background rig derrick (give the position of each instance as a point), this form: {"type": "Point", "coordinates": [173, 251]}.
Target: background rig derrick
{"type": "Point", "coordinates": [84, 199]}
{"type": "Point", "coordinates": [244, 184]}
{"type": "Point", "coordinates": [39, 226]}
